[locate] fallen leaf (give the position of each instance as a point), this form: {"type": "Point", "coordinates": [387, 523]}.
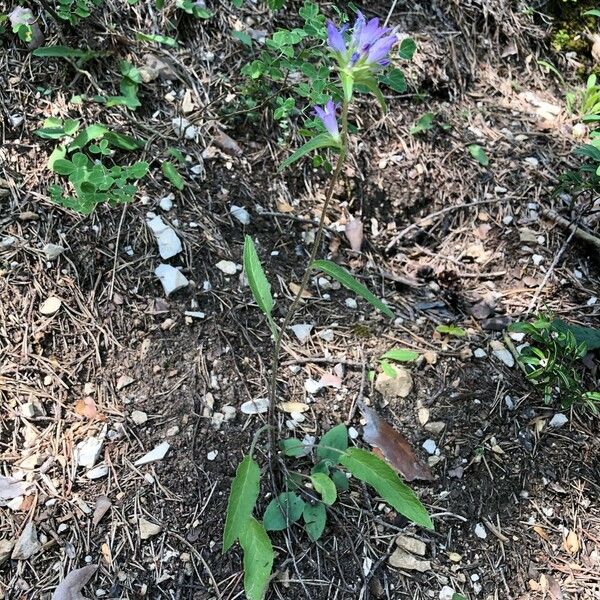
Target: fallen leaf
{"type": "Point", "coordinates": [86, 407]}
{"type": "Point", "coordinates": [541, 532]}
{"type": "Point", "coordinates": [227, 144]}
{"type": "Point", "coordinates": [330, 380]}
{"type": "Point", "coordinates": [394, 446]}
{"type": "Point", "coordinates": [70, 587]}
{"type": "Point", "coordinates": [284, 207]}
{"type": "Point", "coordinates": [295, 288]}
{"type": "Point", "coordinates": [571, 543]}
{"type": "Point", "coordinates": [290, 407]}
{"type": "Point", "coordinates": [354, 233]}
{"type": "Point", "coordinates": [101, 508]}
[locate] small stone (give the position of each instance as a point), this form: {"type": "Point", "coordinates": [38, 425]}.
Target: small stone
{"type": "Point", "coordinates": [435, 427]}
{"type": "Point", "coordinates": [430, 446]}
{"type": "Point", "coordinates": [169, 244]}
{"type": "Point", "coordinates": [302, 331]}
{"type": "Point", "coordinates": [447, 593]}
{"type": "Point", "coordinates": [124, 381]}
{"type": "Point", "coordinates": [139, 417]}
{"type": "Point", "coordinates": [27, 544]}
{"type": "Point", "coordinates": [229, 412]}
{"type": "Point", "coordinates": [240, 213]}
{"type": "Point", "coordinates": [154, 455]}
{"type": "Point", "coordinates": [97, 472]}
{"type": "Point", "coordinates": [532, 161]}
{"type": "Point", "coordinates": [527, 236]}
{"type": "Point", "coordinates": [52, 251]}
{"type": "Point", "coordinates": [312, 386]}
{"type": "Point", "coordinates": [479, 353]}
{"type": "Point", "coordinates": [16, 120]}
{"type": "Point", "coordinates": [172, 431]}
{"type": "Point", "coordinates": [194, 314]}
{"type": "Point", "coordinates": [411, 545]}
{"type": "Point", "coordinates": [501, 353]}
{"type": "Point", "coordinates": [537, 259]}
{"type": "Point", "coordinates": [558, 420]}
{"type": "Point", "coordinates": [255, 407]}
{"type": "Point", "coordinates": [480, 531]}
{"type": "Point", "coordinates": [352, 433]}
{"type": "Point", "coordinates": [31, 410]}
{"type": "Point", "coordinates": [182, 127]}
{"type": "Point", "coordinates": [402, 560]}
{"type": "Point", "coordinates": [394, 387]}
{"type": "Point", "coordinates": [227, 267]}
{"type": "Point", "coordinates": [7, 242]}
{"type": "Point", "coordinates": [326, 335]}
{"type": "Point", "coordinates": [171, 278]}
{"type": "Point", "coordinates": [454, 557]}
{"type": "Point", "coordinates": [423, 415]}
{"type": "Point", "coordinates": [166, 203]}
{"type": "Point", "coordinates": [212, 455]}
{"type": "Point", "coordinates": [430, 357]}
{"type": "Point", "coordinates": [507, 220]}
{"type": "Point", "coordinates": [148, 529]}
{"type": "Point", "coordinates": [51, 305]}
{"type": "Point", "coordinates": [88, 451]}
{"type": "Point", "coordinates": [351, 303]}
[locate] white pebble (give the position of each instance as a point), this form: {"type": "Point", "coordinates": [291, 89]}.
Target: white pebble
{"type": "Point", "coordinates": [240, 213]}
{"type": "Point", "coordinates": [480, 531]}
{"type": "Point", "coordinates": [430, 446]}
{"type": "Point", "coordinates": [351, 303]}
{"type": "Point", "coordinates": [212, 455]}
{"type": "Point", "coordinates": [558, 420]}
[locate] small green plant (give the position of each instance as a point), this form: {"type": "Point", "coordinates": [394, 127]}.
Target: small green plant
{"type": "Point", "coordinates": [196, 8]}
{"type": "Point", "coordinates": [75, 10]}
{"type": "Point", "coordinates": [79, 159]}
{"type": "Point", "coordinates": [586, 178]}
{"type": "Point", "coordinates": [423, 124]}
{"type": "Point", "coordinates": [130, 83]}
{"type": "Point", "coordinates": [79, 56]}
{"type": "Point", "coordinates": [22, 21]}
{"type": "Point", "coordinates": [552, 361]}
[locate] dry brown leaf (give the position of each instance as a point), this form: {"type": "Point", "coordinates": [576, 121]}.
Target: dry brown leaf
{"type": "Point", "coordinates": [394, 446]}
{"type": "Point", "coordinates": [550, 586]}
{"type": "Point", "coordinates": [86, 407]}
{"type": "Point", "coordinates": [541, 532]}
{"type": "Point", "coordinates": [571, 543]}
{"type": "Point", "coordinates": [295, 288]}
{"type": "Point", "coordinates": [102, 506]}
{"type": "Point", "coordinates": [284, 207]}
{"type": "Point", "coordinates": [290, 407]}
{"type": "Point", "coordinates": [227, 144]}
{"type": "Point", "coordinates": [70, 587]}
{"type": "Point", "coordinates": [354, 233]}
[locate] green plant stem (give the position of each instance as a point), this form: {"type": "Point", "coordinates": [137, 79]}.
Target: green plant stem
{"type": "Point", "coordinates": [305, 279]}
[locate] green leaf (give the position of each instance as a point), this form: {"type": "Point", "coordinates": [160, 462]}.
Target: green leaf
{"type": "Point", "coordinates": [408, 46]}
{"type": "Point", "coordinates": [344, 277]}
{"type": "Point", "coordinates": [592, 13]}
{"type": "Point", "coordinates": [340, 480]}
{"type": "Point", "coordinates": [159, 39]}
{"type": "Point", "coordinates": [315, 518]}
{"type": "Point", "coordinates": [401, 355]}
{"type": "Point", "coordinates": [123, 141]}
{"type": "Point", "coordinates": [323, 140]}
{"type": "Point", "coordinates": [323, 466]}
{"type": "Point", "coordinates": [456, 596]}
{"type": "Point", "coordinates": [372, 86]}
{"type": "Point", "coordinates": [337, 438]}
{"type": "Point", "coordinates": [395, 80]}
{"type": "Point", "coordinates": [58, 152]}
{"type": "Point", "coordinates": [242, 498]}
{"type": "Point", "coordinates": [172, 174]}
{"type": "Point", "coordinates": [63, 167]}
{"type": "Point", "coordinates": [261, 289]}
{"type": "Point", "coordinates": [287, 507]}
{"type": "Point", "coordinates": [588, 335]}
{"type": "Point", "coordinates": [91, 132]}
{"type": "Point", "coordinates": [388, 369]}
{"type": "Point", "coordinates": [292, 447]}
{"type": "Point", "coordinates": [325, 487]}
{"type": "Point", "coordinates": [451, 330]}
{"type": "Point", "coordinates": [243, 37]}
{"type": "Point", "coordinates": [372, 470]}
{"type": "Point", "coordinates": [59, 52]}
{"type": "Point", "coordinates": [258, 559]}
{"type": "Point", "coordinates": [424, 123]}
{"type": "Point", "coordinates": [275, 4]}
{"type": "Point", "coordinates": [478, 153]}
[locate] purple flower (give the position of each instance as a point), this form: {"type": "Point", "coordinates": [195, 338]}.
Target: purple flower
{"type": "Point", "coordinates": [328, 118]}
{"type": "Point", "coordinates": [335, 37]}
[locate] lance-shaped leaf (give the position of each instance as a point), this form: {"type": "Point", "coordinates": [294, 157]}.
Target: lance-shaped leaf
{"type": "Point", "coordinates": [372, 470]}
{"type": "Point", "coordinates": [344, 277]}
{"type": "Point", "coordinates": [242, 498]}
{"type": "Point", "coordinates": [261, 289]}
{"type": "Point", "coordinates": [401, 355]}
{"type": "Point", "coordinates": [258, 559]}
{"type": "Point", "coordinates": [394, 446]}
{"type": "Point", "coordinates": [323, 140]}
{"type": "Point", "coordinates": [172, 174]}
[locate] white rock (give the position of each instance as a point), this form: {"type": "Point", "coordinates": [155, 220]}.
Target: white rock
{"type": "Point", "coordinates": [123, 381]}
{"type": "Point", "coordinates": [169, 244]}
{"type": "Point", "coordinates": [479, 353]}
{"type": "Point", "coordinates": [312, 386]}
{"type": "Point", "coordinates": [446, 593]}
{"type": "Point", "coordinates": [212, 455]}
{"type": "Point", "coordinates": [27, 544]}
{"type": "Point", "coordinates": [351, 303]}
{"type": "Point", "coordinates": [507, 220]}
{"type": "Point", "coordinates": [139, 417]}
{"type": "Point", "coordinates": [399, 386]}
{"type": "Point", "coordinates": [401, 559]}
{"type": "Point", "coordinates": [510, 404]}
{"type": "Point", "coordinates": [52, 251]}
{"type": "Point", "coordinates": [16, 120]}
{"type": "Point", "coordinates": [500, 352]}
{"type": "Point", "coordinates": [97, 472]}
{"type": "Point", "coordinates": [480, 531]}
{"type": "Point", "coordinates": [430, 446]}
{"type": "Point", "coordinates": [240, 213]}
{"type": "Point", "coordinates": [423, 415]}
{"type": "Point", "coordinates": [558, 420]}
{"type": "Point", "coordinates": [155, 454]}
{"type": "Point", "coordinates": [518, 337]}
{"type": "Point", "coordinates": [88, 451]}
{"type": "Point", "coordinates": [182, 127]}
{"type": "Point", "coordinates": [591, 301]}
{"type": "Point", "coordinates": [302, 331]}
{"type": "Point", "coordinates": [352, 433]}
{"type": "Point", "coordinates": [171, 278]}
{"type": "Point", "coordinates": [7, 242]}
{"type": "Point", "coordinates": [32, 409]}
{"type": "Point", "coordinates": [537, 259]}
{"type": "Point", "coordinates": [255, 407]}
{"type": "Point", "coordinates": [166, 203]}
{"type": "Point", "coordinates": [228, 267]}
{"type": "Point", "coordinates": [148, 529]}
{"type": "Point", "coordinates": [194, 314]}
{"type": "Point", "coordinates": [228, 412]}
{"type": "Point", "coordinates": [435, 427]}
{"type": "Point", "coordinates": [326, 335]}
{"type": "Point", "coordinates": [50, 305]}
{"type": "Point", "coordinates": [532, 161]}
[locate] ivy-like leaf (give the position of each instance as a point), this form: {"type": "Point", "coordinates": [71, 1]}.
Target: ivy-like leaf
{"type": "Point", "coordinates": [408, 46]}
{"type": "Point", "coordinates": [323, 140]}
{"type": "Point", "coordinates": [91, 132]}
{"type": "Point", "coordinates": [261, 289]}
{"type": "Point", "coordinates": [324, 486]}
{"type": "Point", "coordinates": [315, 518]}
{"type": "Point", "coordinates": [258, 559]}
{"type": "Point", "coordinates": [401, 355]}
{"type": "Point", "coordinates": [242, 498]}
{"type": "Point", "coordinates": [346, 279]}
{"type": "Point", "coordinates": [172, 174]}
{"type": "Point", "coordinates": [395, 80]}
{"type": "Point", "coordinates": [337, 438]}
{"type": "Point", "coordinates": [286, 508]}
{"type": "Point", "coordinates": [372, 470]}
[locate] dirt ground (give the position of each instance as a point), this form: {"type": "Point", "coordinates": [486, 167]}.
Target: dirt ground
{"type": "Point", "coordinates": [514, 500]}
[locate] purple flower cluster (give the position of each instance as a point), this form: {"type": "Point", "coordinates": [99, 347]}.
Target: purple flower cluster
{"type": "Point", "coordinates": [369, 46]}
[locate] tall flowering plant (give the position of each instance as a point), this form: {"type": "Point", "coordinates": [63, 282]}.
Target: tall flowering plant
{"type": "Point", "coordinates": [360, 55]}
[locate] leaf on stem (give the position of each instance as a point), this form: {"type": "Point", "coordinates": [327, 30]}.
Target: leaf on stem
{"type": "Point", "coordinates": [261, 289]}
{"type": "Point", "coordinates": [335, 439]}
{"type": "Point", "coordinates": [286, 508]}
{"type": "Point", "coordinates": [344, 277]}
{"type": "Point", "coordinates": [324, 486]}
{"type": "Point", "coordinates": [323, 140]}
{"type": "Point", "coordinates": [242, 498]}
{"type": "Point", "coordinates": [258, 559]}
{"type": "Point", "coordinates": [315, 518]}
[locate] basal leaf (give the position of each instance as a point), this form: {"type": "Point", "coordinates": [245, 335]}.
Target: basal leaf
{"type": "Point", "coordinates": [337, 438]}
{"type": "Point", "coordinates": [478, 153]}
{"type": "Point", "coordinates": [286, 508]}
{"type": "Point", "coordinates": [401, 355]}
{"type": "Point", "coordinates": [592, 13]}
{"type": "Point", "coordinates": [292, 447]}
{"type": "Point", "coordinates": [324, 486]}
{"type": "Point", "coordinates": [395, 80]}
{"type": "Point", "coordinates": [172, 174]}
{"type": "Point", "coordinates": [258, 559]}
{"type": "Point", "coordinates": [451, 330]}
{"type": "Point", "coordinates": [159, 39]}
{"type": "Point", "coordinates": [242, 498]}
{"type": "Point", "coordinates": [344, 277]}
{"type": "Point", "coordinates": [340, 480]}
{"type": "Point", "coordinates": [372, 470]}
{"type": "Point", "coordinates": [315, 518]}
{"type": "Point", "coordinates": [261, 289]}
{"type": "Point", "coordinates": [323, 140]}
{"type": "Point", "coordinates": [62, 166]}
{"type": "Point", "coordinates": [589, 335]}
{"type": "Point", "coordinates": [388, 369]}
{"type": "Point", "coordinates": [91, 132]}
{"type": "Point", "coordinates": [408, 46]}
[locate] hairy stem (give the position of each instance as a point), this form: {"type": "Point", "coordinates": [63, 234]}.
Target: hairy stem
{"type": "Point", "coordinates": [305, 279]}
